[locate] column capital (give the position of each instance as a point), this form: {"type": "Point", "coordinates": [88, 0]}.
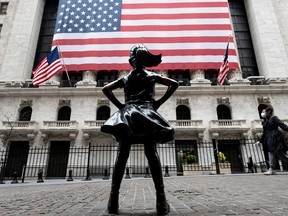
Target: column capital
{"type": "Point", "coordinates": [235, 78]}
{"type": "Point", "coordinates": [88, 79]}
{"type": "Point", "coordinates": [198, 77]}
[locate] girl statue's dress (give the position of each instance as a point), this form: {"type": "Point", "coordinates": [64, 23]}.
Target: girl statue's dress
{"type": "Point", "coordinates": [138, 121]}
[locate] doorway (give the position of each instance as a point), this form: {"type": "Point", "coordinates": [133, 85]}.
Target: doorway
{"type": "Point", "coordinates": [58, 159]}
{"type": "Point", "coordinates": [17, 158]}
{"type": "Point", "coordinates": [231, 150]}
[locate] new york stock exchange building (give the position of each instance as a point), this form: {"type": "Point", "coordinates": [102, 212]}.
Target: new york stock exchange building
{"type": "Point", "coordinates": [53, 126]}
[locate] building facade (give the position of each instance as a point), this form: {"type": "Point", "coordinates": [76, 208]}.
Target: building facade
{"type": "Point", "coordinates": [63, 115]}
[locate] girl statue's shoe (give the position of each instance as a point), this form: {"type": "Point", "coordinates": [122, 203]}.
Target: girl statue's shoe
{"type": "Point", "coordinates": [162, 205]}
{"type": "Point", "coordinates": [113, 204]}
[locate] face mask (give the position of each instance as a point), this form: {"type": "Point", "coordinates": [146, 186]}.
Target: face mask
{"type": "Point", "coordinates": [263, 115]}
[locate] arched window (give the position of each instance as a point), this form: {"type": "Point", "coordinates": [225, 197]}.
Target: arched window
{"type": "Point", "coordinates": [183, 113]}
{"type": "Point", "coordinates": [223, 112]}
{"type": "Point", "coordinates": [25, 114]}
{"type": "Point", "coordinates": [64, 113]}
{"type": "Point", "coordinates": [103, 113]}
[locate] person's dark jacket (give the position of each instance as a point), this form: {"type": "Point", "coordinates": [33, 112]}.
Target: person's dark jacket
{"type": "Point", "coordinates": [272, 138]}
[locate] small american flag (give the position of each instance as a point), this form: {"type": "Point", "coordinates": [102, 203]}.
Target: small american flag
{"type": "Point", "coordinates": [98, 34]}
{"type": "Point", "coordinates": [47, 68]}
{"type": "Point", "coordinates": [224, 69]}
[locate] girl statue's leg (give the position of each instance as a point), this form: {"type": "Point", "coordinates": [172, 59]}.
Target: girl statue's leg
{"type": "Point", "coordinates": [118, 172]}
{"type": "Point", "coordinates": [155, 167]}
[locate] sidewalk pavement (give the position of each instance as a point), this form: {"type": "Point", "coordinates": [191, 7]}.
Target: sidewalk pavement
{"type": "Point", "coordinates": [236, 194]}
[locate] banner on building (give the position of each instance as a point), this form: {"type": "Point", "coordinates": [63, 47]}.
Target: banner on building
{"type": "Point", "coordinates": [98, 34]}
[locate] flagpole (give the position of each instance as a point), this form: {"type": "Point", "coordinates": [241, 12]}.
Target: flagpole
{"type": "Point", "coordinates": [62, 60]}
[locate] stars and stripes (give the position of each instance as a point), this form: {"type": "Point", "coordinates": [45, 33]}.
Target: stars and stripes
{"type": "Point", "coordinates": [47, 68]}
{"type": "Point", "coordinates": [224, 68]}
{"type": "Point", "coordinates": [98, 34]}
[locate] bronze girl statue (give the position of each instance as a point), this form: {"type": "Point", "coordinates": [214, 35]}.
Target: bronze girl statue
{"type": "Point", "coordinates": [138, 121]}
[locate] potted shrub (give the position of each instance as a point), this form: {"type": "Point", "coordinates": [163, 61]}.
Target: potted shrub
{"type": "Point", "coordinates": [191, 159]}
{"type": "Point", "coordinates": [191, 167]}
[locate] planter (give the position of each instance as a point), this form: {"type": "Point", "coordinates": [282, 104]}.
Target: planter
{"type": "Point", "coordinates": [192, 169]}
{"type": "Point", "coordinates": [225, 168]}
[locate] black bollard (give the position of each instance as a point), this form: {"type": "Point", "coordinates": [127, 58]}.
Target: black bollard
{"type": "Point", "coordinates": [127, 173]}
{"type": "Point", "coordinates": [147, 175]}
{"type": "Point", "coordinates": [87, 175]}
{"type": "Point", "coordinates": [166, 171]}
{"type": "Point", "coordinates": [40, 176]}
{"type": "Point", "coordinates": [70, 176]}
{"type": "Point", "coordinates": [2, 180]}
{"type": "Point", "coordinates": [14, 181]}
{"type": "Point", "coordinates": [106, 177]}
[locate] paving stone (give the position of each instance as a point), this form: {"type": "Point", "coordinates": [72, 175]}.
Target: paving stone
{"type": "Point", "coordinates": [245, 194]}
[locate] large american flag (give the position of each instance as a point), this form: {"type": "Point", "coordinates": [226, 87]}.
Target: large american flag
{"type": "Point", "coordinates": [98, 34]}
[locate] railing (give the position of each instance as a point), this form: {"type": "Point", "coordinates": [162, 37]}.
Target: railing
{"type": "Point", "coordinates": [184, 82]}
{"type": "Point", "coordinates": [20, 124]}
{"type": "Point", "coordinates": [94, 124]}
{"type": "Point", "coordinates": [178, 159]}
{"type": "Point", "coordinates": [67, 83]}
{"type": "Point", "coordinates": [227, 123]}
{"type": "Point", "coordinates": [60, 124]}
{"type": "Point", "coordinates": [186, 123]}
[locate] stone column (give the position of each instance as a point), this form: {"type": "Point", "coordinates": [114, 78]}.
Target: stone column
{"type": "Point", "coordinates": [198, 77]}
{"type": "Point", "coordinates": [163, 73]}
{"type": "Point", "coordinates": [88, 79]}
{"type": "Point", "coordinates": [235, 78]}
{"type": "Point", "coordinates": [122, 73]}
{"type": "Point", "coordinates": [19, 38]}
{"type": "Point", "coordinates": [264, 20]}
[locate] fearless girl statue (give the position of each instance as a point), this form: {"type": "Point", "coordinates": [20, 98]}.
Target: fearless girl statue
{"type": "Point", "coordinates": [138, 122]}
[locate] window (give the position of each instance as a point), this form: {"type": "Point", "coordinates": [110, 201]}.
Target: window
{"type": "Point", "coordinates": [46, 31]}
{"type": "Point", "coordinates": [223, 112]}
{"type": "Point", "coordinates": [183, 113]}
{"type": "Point", "coordinates": [212, 76]}
{"type": "Point", "coordinates": [25, 114]}
{"type": "Point", "coordinates": [182, 76]}
{"type": "Point", "coordinates": [105, 76]}
{"type": "Point", "coordinates": [64, 113]}
{"type": "Point", "coordinates": [3, 7]}
{"type": "Point", "coordinates": [73, 76]}
{"type": "Point", "coordinates": [243, 38]}
{"type": "Point", "coordinates": [103, 113]}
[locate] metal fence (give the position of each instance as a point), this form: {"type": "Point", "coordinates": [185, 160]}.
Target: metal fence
{"type": "Point", "coordinates": [177, 158]}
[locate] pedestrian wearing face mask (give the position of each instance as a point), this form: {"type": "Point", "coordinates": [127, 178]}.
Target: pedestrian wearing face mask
{"type": "Point", "coordinates": [273, 139]}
